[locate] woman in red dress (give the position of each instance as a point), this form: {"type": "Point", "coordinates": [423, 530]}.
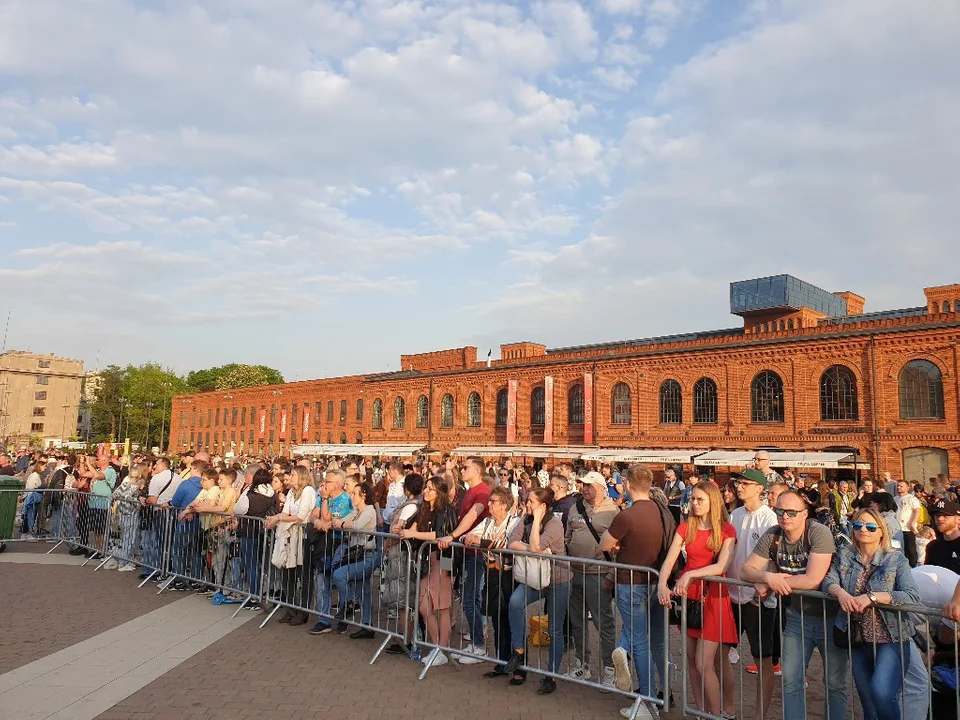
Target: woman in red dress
{"type": "Point", "coordinates": [708, 540]}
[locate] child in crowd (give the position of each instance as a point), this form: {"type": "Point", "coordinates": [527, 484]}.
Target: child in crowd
{"type": "Point", "coordinates": [924, 535]}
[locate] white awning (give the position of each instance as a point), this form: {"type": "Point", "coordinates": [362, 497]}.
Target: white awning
{"type": "Point", "coordinates": [362, 450]}
{"type": "Point", "coordinates": [733, 458]}
{"type": "Point", "coordinates": [561, 452]}
{"type": "Point", "coordinates": [741, 458]}
{"type": "Point", "coordinates": [656, 457]}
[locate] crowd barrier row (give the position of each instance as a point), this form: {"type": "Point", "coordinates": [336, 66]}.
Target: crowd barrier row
{"type": "Point", "coordinates": [570, 615]}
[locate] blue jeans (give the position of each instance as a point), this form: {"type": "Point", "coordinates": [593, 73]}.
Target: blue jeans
{"type": "Point", "coordinates": [638, 606]}
{"type": "Point", "coordinates": [916, 684]}
{"type": "Point", "coordinates": [355, 578]}
{"type": "Point", "coordinates": [323, 583]}
{"type": "Point", "coordinates": [129, 538]}
{"type": "Point", "coordinates": [878, 674]}
{"type": "Point", "coordinates": [556, 597]}
{"type": "Point", "coordinates": [800, 637]}
{"type": "Point", "coordinates": [187, 546]}
{"type": "Point", "coordinates": [474, 574]}
{"type": "Point", "coordinates": [30, 518]}
{"type": "Point", "coordinates": [250, 551]}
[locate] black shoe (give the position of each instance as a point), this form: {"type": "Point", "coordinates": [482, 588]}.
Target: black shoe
{"type": "Point", "coordinates": [498, 671]}
{"type": "Point", "coordinates": [143, 576]}
{"type": "Point", "coordinates": [515, 661]}
{"type": "Point", "coordinates": [547, 686]}
{"type": "Point", "coordinates": [179, 586]}
{"type": "Point", "coordinates": [78, 551]}
{"type": "Point", "coordinates": [519, 678]}
{"type": "Point", "coordinates": [299, 618]}
{"type": "Point", "coordinates": [321, 628]}
{"type": "Point", "coordinates": [341, 627]}
{"type": "Point", "coordinates": [363, 634]}
{"type": "Point", "coordinates": [660, 696]}
{"type": "Point", "coordinates": [397, 649]}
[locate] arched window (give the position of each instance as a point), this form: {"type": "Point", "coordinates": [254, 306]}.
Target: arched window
{"type": "Point", "coordinates": [359, 438]}
{"type": "Point", "coordinates": [399, 411]}
{"type": "Point", "coordinates": [790, 324]}
{"type": "Point", "coordinates": [503, 403]}
{"type": "Point", "coordinates": [671, 403]}
{"type": "Point", "coordinates": [378, 414]}
{"type": "Point", "coordinates": [956, 306]}
{"type": "Point", "coordinates": [705, 402]}
{"type": "Point", "coordinates": [838, 394]}
{"type": "Point", "coordinates": [446, 411]}
{"type": "Point", "coordinates": [329, 438]}
{"type": "Point", "coordinates": [946, 306]}
{"type": "Point", "coordinates": [474, 407]}
{"type": "Point", "coordinates": [621, 410]}
{"type": "Point", "coordinates": [921, 391]}
{"type": "Point", "coordinates": [423, 411]}
{"type": "Point", "coordinates": [575, 404]}
{"type": "Point", "coordinates": [538, 406]}
{"type": "Point", "coordinates": [766, 398]}
{"type": "Point", "coordinates": [343, 438]}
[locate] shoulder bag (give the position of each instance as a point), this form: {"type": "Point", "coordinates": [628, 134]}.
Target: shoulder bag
{"type": "Point", "coordinates": [533, 572]}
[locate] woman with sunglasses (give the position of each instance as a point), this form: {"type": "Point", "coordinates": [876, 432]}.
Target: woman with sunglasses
{"type": "Point", "coordinates": [862, 577]}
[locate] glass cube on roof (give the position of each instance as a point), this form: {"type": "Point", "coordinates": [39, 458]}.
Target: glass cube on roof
{"type": "Point", "coordinates": [782, 292]}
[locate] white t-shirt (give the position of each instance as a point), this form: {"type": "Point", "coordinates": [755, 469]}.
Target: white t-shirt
{"type": "Point", "coordinates": [749, 526]}
{"type": "Point", "coordinates": [158, 481]}
{"type": "Point", "coordinates": [33, 481]}
{"type": "Point", "coordinates": [906, 506]}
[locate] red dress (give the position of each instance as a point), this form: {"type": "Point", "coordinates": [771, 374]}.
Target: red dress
{"type": "Point", "coordinates": [717, 611]}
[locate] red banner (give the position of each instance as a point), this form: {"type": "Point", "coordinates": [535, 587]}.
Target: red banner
{"type": "Point", "coordinates": [283, 423]}
{"type": "Point", "coordinates": [588, 408]}
{"type": "Point", "coordinates": [306, 422]}
{"type": "Point", "coordinates": [548, 410]}
{"type": "Point", "coordinates": [511, 412]}
{"type": "Point", "coordinates": [263, 423]}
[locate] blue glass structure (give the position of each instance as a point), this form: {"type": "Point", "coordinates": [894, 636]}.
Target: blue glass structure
{"type": "Point", "coordinates": [782, 292]}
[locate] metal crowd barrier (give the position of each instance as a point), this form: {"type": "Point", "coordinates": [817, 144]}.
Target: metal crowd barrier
{"type": "Point", "coordinates": [634, 621]}
{"type": "Point", "coordinates": [37, 515]}
{"type": "Point", "coordinates": [369, 572]}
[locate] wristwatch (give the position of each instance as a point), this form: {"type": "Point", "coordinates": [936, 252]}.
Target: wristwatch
{"type": "Point", "coordinates": [873, 598]}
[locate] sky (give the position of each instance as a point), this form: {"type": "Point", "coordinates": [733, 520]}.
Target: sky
{"type": "Point", "coordinates": [322, 186]}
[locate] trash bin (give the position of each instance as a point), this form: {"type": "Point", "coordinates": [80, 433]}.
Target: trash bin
{"type": "Point", "coordinates": [10, 489]}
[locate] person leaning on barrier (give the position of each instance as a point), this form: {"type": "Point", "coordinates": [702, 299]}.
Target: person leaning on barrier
{"type": "Point", "coordinates": [288, 543]}
{"type": "Point", "coordinates": [126, 497]}
{"type": "Point", "coordinates": [103, 478]}
{"type": "Point", "coordinates": [395, 578]}
{"type": "Point", "coordinates": [258, 501]}
{"type": "Point", "coordinates": [361, 559]}
{"type": "Point", "coordinates": [796, 556]}
{"type": "Point", "coordinates": [861, 577]}
{"type": "Point", "coordinates": [591, 589]}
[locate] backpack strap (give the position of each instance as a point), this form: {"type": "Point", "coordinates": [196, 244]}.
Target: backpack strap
{"type": "Point", "coordinates": [582, 509]}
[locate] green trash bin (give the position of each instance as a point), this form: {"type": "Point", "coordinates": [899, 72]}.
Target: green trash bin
{"type": "Point", "coordinates": [10, 489]}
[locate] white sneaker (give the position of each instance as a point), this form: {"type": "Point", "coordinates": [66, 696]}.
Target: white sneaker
{"type": "Point", "coordinates": [126, 568]}
{"type": "Point", "coordinates": [642, 714]}
{"type": "Point", "coordinates": [480, 652]}
{"type": "Point", "coordinates": [440, 659]}
{"type": "Point", "coordinates": [111, 565]}
{"type": "Point", "coordinates": [578, 671]}
{"type": "Point", "coordinates": [621, 669]}
{"type": "Point", "coordinates": [733, 656]}
{"type": "Point", "coordinates": [609, 678]}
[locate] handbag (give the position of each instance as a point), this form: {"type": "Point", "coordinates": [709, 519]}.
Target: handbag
{"type": "Point", "coordinates": [532, 572]}
{"type": "Point", "coordinates": [694, 612]}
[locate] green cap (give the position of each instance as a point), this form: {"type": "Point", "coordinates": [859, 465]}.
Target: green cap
{"type": "Point", "coordinates": [753, 475]}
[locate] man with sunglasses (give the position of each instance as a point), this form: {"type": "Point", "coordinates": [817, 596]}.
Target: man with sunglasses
{"type": "Point", "coordinates": [796, 555]}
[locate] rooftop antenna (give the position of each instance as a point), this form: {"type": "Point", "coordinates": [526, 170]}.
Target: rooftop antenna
{"type": "Point", "coordinates": [5, 331]}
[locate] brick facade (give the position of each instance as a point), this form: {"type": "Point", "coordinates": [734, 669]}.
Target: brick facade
{"type": "Point", "coordinates": [874, 349]}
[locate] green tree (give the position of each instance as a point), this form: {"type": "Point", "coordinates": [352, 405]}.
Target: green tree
{"type": "Point", "coordinates": [106, 407]}
{"type": "Point", "coordinates": [148, 390]}
{"type": "Point", "coordinates": [242, 376]}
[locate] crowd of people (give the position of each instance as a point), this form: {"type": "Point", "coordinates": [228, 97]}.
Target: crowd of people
{"type": "Point", "coordinates": [795, 563]}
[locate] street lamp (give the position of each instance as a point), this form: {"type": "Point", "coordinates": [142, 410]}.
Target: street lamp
{"type": "Point", "coordinates": [63, 429]}
{"type": "Point", "coordinates": [163, 417]}
{"type": "Point", "coordinates": [123, 402]}
{"type": "Point", "coordinates": [147, 439]}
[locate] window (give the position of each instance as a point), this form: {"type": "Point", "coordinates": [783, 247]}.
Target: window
{"type": "Point", "coordinates": [621, 410]}
{"type": "Point", "coordinates": [378, 414]}
{"type": "Point", "coordinates": [671, 403]}
{"type": "Point", "coordinates": [538, 406]}
{"type": "Point", "coordinates": [446, 411]}
{"type": "Point", "coordinates": [360, 410]}
{"type": "Point", "coordinates": [343, 438]}
{"type": "Point", "coordinates": [838, 394]}
{"type": "Point", "coordinates": [43, 380]}
{"type": "Point", "coordinates": [343, 411]}
{"type": "Point", "coordinates": [243, 416]}
{"type": "Point", "coordinates": [36, 427]}
{"type": "Point", "coordinates": [359, 438]}
{"type": "Point", "coordinates": [329, 438]}
{"type": "Point", "coordinates": [766, 398]}
{"type": "Point", "coordinates": [233, 416]}
{"type": "Point", "coordinates": [956, 306]}
{"type": "Point", "coordinates": [330, 411]}
{"type": "Point", "coordinates": [790, 324]}
{"type": "Point", "coordinates": [44, 363]}
{"type": "Point", "coordinates": [217, 421]}
{"type": "Point", "coordinates": [207, 440]}
{"type": "Point", "coordinates": [503, 404]}
{"type": "Point", "coordinates": [316, 416]}
{"type": "Point", "coordinates": [40, 395]}
{"type": "Point", "coordinates": [474, 408]}
{"type": "Point", "coordinates": [399, 410]}
{"type": "Point", "coordinates": [423, 411]}
{"type": "Point", "coordinates": [273, 414]}
{"type": "Point", "coordinates": [921, 391]}
{"type": "Point", "coordinates": [946, 309]}
{"type": "Point", "coordinates": [575, 404]}
{"type": "Point", "coordinates": [705, 401]}
{"type": "Point", "coordinates": [39, 412]}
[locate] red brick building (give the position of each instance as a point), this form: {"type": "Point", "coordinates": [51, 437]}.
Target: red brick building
{"type": "Point", "coordinates": [807, 371]}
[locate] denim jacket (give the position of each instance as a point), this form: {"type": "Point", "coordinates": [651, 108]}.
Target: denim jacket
{"type": "Point", "coordinates": [891, 574]}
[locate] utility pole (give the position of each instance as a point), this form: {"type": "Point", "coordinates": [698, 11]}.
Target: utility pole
{"type": "Point", "coordinates": [163, 416]}
{"type": "Point", "coordinates": [147, 440]}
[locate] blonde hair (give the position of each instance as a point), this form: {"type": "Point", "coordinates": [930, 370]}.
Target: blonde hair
{"type": "Point", "coordinates": [717, 517]}
{"type": "Point", "coordinates": [884, 530]}
{"type": "Point", "coordinates": [304, 478]}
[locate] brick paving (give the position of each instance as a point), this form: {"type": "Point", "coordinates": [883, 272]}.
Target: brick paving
{"type": "Point", "coordinates": [47, 608]}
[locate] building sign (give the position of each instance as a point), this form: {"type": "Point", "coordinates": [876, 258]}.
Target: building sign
{"type": "Point", "coordinates": [548, 410]}
{"type": "Point", "coordinates": [263, 423]}
{"type": "Point", "coordinates": [588, 408]}
{"type": "Point", "coordinates": [283, 423]}
{"type": "Point", "coordinates": [306, 422]}
{"type": "Point", "coordinates": [511, 412]}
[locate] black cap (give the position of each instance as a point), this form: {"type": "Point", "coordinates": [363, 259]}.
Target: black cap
{"type": "Point", "coordinates": [944, 507]}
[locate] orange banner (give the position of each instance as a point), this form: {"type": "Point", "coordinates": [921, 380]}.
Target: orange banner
{"type": "Point", "coordinates": [588, 408]}
{"type": "Point", "coordinates": [306, 422]}
{"type": "Point", "coordinates": [283, 423]}
{"type": "Point", "coordinates": [511, 412]}
{"type": "Point", "coordinates": [548, 410]}
{"type": "Point", "coordinates": [263, 423]}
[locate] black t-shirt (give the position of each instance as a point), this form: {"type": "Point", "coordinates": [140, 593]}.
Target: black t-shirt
{"type": "Point", "coordinates": [8, 470]}
{"type": "Point", "coordinates": [561, 507]}
{"type": "Point", "coordinates": [944, 553]}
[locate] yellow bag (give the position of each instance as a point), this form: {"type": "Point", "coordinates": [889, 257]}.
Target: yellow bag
{"type": "Point", "coordinates": [923, 518]}
{"type": "Point", "coordinates": [539, 635]}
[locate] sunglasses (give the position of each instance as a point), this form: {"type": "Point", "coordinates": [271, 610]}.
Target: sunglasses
{"type": "Point", "coordinates": [789, 513]}
{"type": "Point", "coordinates": [870, 527]}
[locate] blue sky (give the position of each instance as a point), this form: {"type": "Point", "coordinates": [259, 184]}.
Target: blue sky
{"type": "Point", "coordinates": [322, 186]}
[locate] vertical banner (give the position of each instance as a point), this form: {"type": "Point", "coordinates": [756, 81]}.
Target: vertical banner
{"type": "Point", "coordinates": [548, 410]}
{"type": "Point", "coordinates": [283, 423]}
{"type": "Point", "coordinates": [588, 408]}
{"type": "Point", "coordinates": [263, 423]}
{"type": "Point", "coordinates": [511, 412]}
{"type": "Point", "coordinates": [306, 422]}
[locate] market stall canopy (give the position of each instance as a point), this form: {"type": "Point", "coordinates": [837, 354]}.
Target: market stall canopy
{"type": "Point", "coordinates": [363, 450]}
{"type": "Point", "coordinates": [741, 458]}
{"type": "Point", "coordinates": [562, 452]}
{"type": "Point", "coordinates": [661, 457]}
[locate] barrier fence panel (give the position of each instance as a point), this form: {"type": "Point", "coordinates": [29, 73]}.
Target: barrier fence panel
{"type": "Point", "coordinates": [346, 578]}
{"type": "Point", "coordinates": [32, 515]}
{"type": "Point", "coordinates": [589, 622]}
